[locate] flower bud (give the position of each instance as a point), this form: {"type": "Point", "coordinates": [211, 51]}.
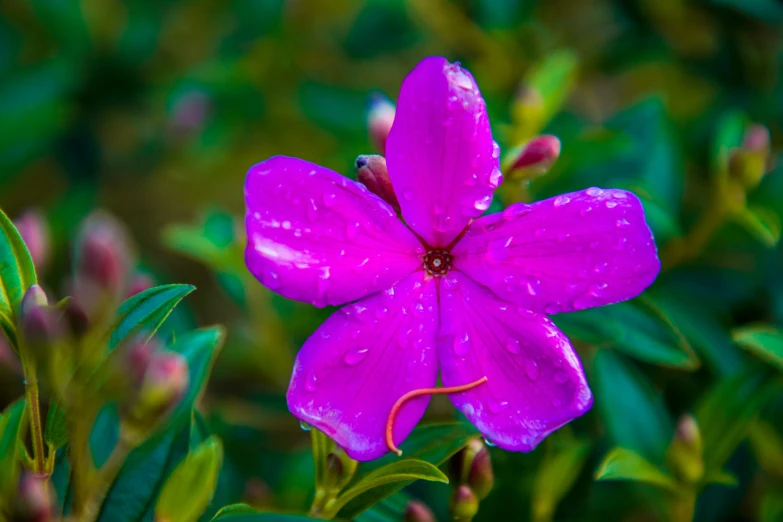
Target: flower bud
{"type": "Point", "coordinates": [685, 451]}
{"type": "Point", "coordinates": [190, 112]}
{"type": "Point", "coordinates": [473, 466]}
{"type": "Point", "coordinates": [463, 504]}
{"type": "Point", "coordinates": [34, 297]}
{"type": "Point", "coordinates": [102, 262]}
{"type": "Point", "coordinates": [417, 512]}
{"type": "Point", "coordinates": [39, 324]}
{"type": "Point", "coordinates": [35, 501]}
{"type": "Point", "coordinates": [372, 173]}
{"type": "Point", "coordinates": [139, 283]}
{"type": "Point", "coordinates": [165, 382]}
{"type": "Point", "coordinates": [340, 469]}
{"type": "Point", "coordinates": [749, 163]}
{"type": "Point", "coordinates": [379, 120]}
{"type": "Point", "coordinates": [535, 158]}
{"type": "Point", "coordinates": [35, 232]}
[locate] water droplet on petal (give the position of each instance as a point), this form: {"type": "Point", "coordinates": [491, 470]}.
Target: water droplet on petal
{"type": "Point", "coordinates": [461, 344]}
{"type": "Point", "coordinates": [418, 309]}
{"type": "Point", "coordinates": [585, 210]}
{"type": "Point", "coordinates": [450, 283]}
{"type": "Point", "coordinates": [512, 345]}
{"type": "Point", "coordinates": [271, 280]}
{"type": "Point", "coordinates": [497, 406]}
{"type": "Point", "coordinates": [611, 204]}
{"type": "Point", "coordinates": [495, 150]}
{"type": "Point", "coordinates": [600, 268]}
{"type": "Point", "coordinates": [305, 426]}
{"type": "Point", "coordinates": [495, 178]}
{"type": "Point", "coordinates": [330, 198]}
{"type": "Point", "coordinates": [594, 191]}
{"type": "Point", "coordinates": [355, 355]}
{"type": "Point", "coordinates": [561, 200]}
{"type": "Point", "coordinates": [489, 443]}
{"type": "Point", "coordinates": [311, 382]}
{"type": "Point", "coordinates": [516, 211]}
{"type": "Point", "coordinates": [472, 180]}
{"type": "Point", "coordinates": [482, 204]}
{"type": "Point", "coordinates": [621, 223]}
{"type": "Point", "coordinates": [531, 370]}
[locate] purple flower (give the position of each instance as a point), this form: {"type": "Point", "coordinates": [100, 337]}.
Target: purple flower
{"type": "Point", "coordinates": [451, 290]}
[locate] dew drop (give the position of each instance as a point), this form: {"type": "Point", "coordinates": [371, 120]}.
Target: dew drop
{"type": "Point", "coordinates": [585, 210]}
{"type": "Point", "coordinates": [472, 180]}
{"type": "Point", "coordinates": [495, 150]}
{"type": "Point", "coordinates": [600, 268]}
{"type": "Point", "coordinates": [482, 204]}
{"type": "Point", "coordinates": [622, 223]}
{"type": "Point", "coordinates": [594, 191]}
{"type": "Point", "coordinates": [298, 232]}
{"type": "Point", "coordinates": [355, 356]}
{"type": "Point", "coordinates": [531, 370]}
{"type": "Point", "coordinates": [311, 382]}
{"type": "Point", "coordinates": [461, 344]}
{"type": "Point", "coordinates": [305, 426]}
{"type": "Point", "coordinates": [450, 283]}
{"type": "Point", "coordinates": [495, 178]}
{"type": "Point", "coordinates": [560, 201]}
{"type": "Point", "coordinates": [489, 443]}
{"type": "Point", "coordinates": [286, 225]}
{"type": "Point", "coordinates": [516, 211]}
{"type": "Point", "coordinates": [418, 309]}
{"type": "Point", "coordinates": [611, 204]}
{"type": "Point", "coordinates": [272, 280]}
{"type": "Point", "coordinates": [512, 345]}
{"type": "Point", "coordinates": [497, 406]}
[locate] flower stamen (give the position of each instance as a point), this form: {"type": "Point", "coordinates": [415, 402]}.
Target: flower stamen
{"type": "Point", "coordinates": [417, 393]}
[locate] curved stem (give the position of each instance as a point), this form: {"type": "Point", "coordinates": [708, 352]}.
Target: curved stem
{"type": "Point", "coordinates": [34, 412]}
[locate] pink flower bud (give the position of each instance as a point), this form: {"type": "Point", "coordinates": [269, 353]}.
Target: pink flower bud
{"type": "Point", "coordinates": [756, 139]}
{"type": "Point", "coordinates": [139, 283]}
{"type": "Point", "coordinates": [379, 120]}
{"type": "Point", "coordinates": [418, 512]}
{"type": "Point", "coordinates": [165, 380]}
{"type": "Point", "coordinates": [539, 154]}
{"type": "Point", "coordinates": [33, 298]}
{"type": "Point", "coordinates": [372, 173]}
{"type": "Point", "coordinates": [463, 504]}
{"type": "Point", "coordinates": [35, 232]}
{"type": "Point", "coordinates": [190, 112]}
{"type": "Point", "coordinates": [35, 501]}
{"type": "Point", "coordinates": [40, 324]}
{"type": "Point", "coordinates": [473, 466]}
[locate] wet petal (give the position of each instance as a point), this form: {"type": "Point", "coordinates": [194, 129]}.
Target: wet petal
{"type": "Point", "coordinates": [441, 157]}
{"type": "Point", "coordinates": [319, 237]}
{"type": "Point", "coordinates": [575, 251]}
{"type": "Point", "coordinates": [535, 382]}
{"type": "Point", "coordinates": [353, 369]}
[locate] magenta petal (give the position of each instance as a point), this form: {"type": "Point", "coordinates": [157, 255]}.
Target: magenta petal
{"type": "Point", "coordinates": [575, 251]}
{"type": "Point", "coordinates": [319, 237]}
{"type": "Point", "coordinates": [440, 154]}
{"type": "Point", "coordinates": [535, 382]}
{"type": "Point", "coordinates": [353, 369]}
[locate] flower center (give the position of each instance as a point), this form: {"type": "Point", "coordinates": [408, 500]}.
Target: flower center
{"type": "Point", "coordinates": [437, 262]}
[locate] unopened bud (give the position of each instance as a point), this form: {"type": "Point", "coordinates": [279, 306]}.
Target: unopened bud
{"type": "Point", "coordinates": [756, 139]}
{"type": "Point", "coordinates": [417, 512]}
{"type": "Point", "coordinates": [371, 171]}
{"type": "Point", "coordinates": [473, 466]}
{"type": "Point", "coordinates": [190, 112]}
{"type": "Point", "coordinates": [535, 158]}
{"type": "Point", "coordinates": [749, 163]}
{"type": "Point", "coordinates": [40, 324]}
{"type": "Point", "coordinates": [165, 382]}
{"type": "Point", "coordinates": [103, 257]}
{"type": "Point", "coordinates": [340, 469]}
{"type": "Point", "coordinates": [139, 283]}
{"type": "Point", "coordinates": [35, 501]}
{"type": "Point", "coordinates": [35, 232]}
{"type": "Point", "coordinates": [34, 298]}
{"type": "Point", "coordinates": [685, 451]}
{"type": "Point", "coordinates": [380, 118]}
{"type": "Point", "coordinates": [463, 504]}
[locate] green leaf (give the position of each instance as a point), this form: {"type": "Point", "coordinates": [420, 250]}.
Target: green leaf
{"type": "Point", "coordinates": [624, 464]}
{"type": "Point", "coordinates": [721, 477]}
{"type": "Point", "coordinates": [322, 446]}
{"type": "Point", "coordinates": [189, 489]}
{"type": "Point", "coordinates": [726, 412]}
{"type": "Point", "coordinates": [12, 425]}
{"type": "Point", "coordinates": [405, 471]}
{"type": "Point", "coordinates": [147, 310]}
{"type": "Point", "coordinates": [767, 445]}
{"type": "Point", "coordinates": [558, 471]}
{"type": "Point", "coordinates": [244, 513]}
{"type": "Point", "coordinates": [390, 509]}
{"type": "Point", "coordinates": [634, 414]}
{"type": "Point", "coordinates": [764, 342]}
{"type": "Point", "coordinates": [761, 223]}
{"type": "Point", "coordinates": [771, 509]}
{"type": "Point", "coordinates": [17, 274]}
{"type": "Point", "coordinates": [56, 434]}
{"type": "Point", "coordinates": [433, 443]}
{"type": "Point", "coordinates": [553, 78]}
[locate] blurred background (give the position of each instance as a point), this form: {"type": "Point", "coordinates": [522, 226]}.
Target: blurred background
{"type": "Point", "coordinates": [154, 110]}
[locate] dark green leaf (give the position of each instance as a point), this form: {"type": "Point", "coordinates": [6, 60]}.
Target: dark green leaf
{"type": "Point", "coordinates": [147, 310]}
{"type": "Point", "coordinates": [634, 415]}
{"type": "Point", "coordinates": [402, 471]}
{"type": "Point", "coordinates": [12, 425]}
{"type": "Point", "coordinates": [56, 434]}
{"type": "Point", "coordinates": [558, 472]}
{"type": "Point", "coordinates": [726, 412]}
{"type": "Point", "coordinates": [434, 444]}
{"type": "Point", "coordinates": [190, 487]}
{"type": "Point", "coordinates": [623, 464]}
{"type": "Point", "coordinates": [243, 513]}
{"type": "Point", "coordinates": [764, 342]}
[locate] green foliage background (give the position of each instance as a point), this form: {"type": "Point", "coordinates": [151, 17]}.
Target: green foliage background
{"type": "Point", "coordinates": [154, 110]}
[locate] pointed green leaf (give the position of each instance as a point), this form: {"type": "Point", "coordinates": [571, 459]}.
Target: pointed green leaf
{"type": "Point", "coordinates": [558, 472]}
{"type": "Point", "coordinates": [147, 310]}
{"type": "Point", "coordinates": [761, 223]}
{"type": "Point", "coordinates": [244, 513]}
{"type": "Point", "coordinates": [17, 274]}
{"type": "Point", "coordinates": [189, 489]}
{"type": "Point", "coordinates": [726, 412]}
{"type": "Point", "coordinates": [12, 425]}
{"type": "Point", "coordinates": [405, 470]}
{"type": "Point", "coordinates": [721, 477]}
{"type": "Point", "coordinates": [433, 443]}
{"type": "Point", "coordinates": [767, 445]}
{"type": "Point", "coordinates": [623, 464]}
{"type": "Point", "coordinates": [764, 342]}
{"type": "Point", "coordinates": [56, 434]}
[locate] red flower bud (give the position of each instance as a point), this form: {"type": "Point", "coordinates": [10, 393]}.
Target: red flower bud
{"type": "Point", "coordinates": [463, 504]}
{"type": "Point", "coordinates": [35, 501]}
{"type": "Point", "coordinates": [372, 173]}
{"type": "Point", "coordinates": [538, 155]}
{"type": "Point", "coordinates": [418, 512]}
{"type": "Point", "coordinates": [35, 232]}
{"type": "Point", "coordinates": [379, 120]}
{"type": "Point", "coordinates": [756, 139]}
